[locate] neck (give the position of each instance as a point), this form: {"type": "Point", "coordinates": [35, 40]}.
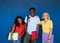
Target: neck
{"type": "Point", "coordinates": [20, 23]}
{"type": "Point", "coordinates": [45, 20]}
{"type": "Point", "coordinates": [32, 15]}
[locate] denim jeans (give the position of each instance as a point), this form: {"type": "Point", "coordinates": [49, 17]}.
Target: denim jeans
{"type": "Point", "coordinates": [17, 41]}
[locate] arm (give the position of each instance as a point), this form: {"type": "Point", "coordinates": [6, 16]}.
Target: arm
{"type": "Point", "coordinates": [13, 28]}
{"type": "Point", "coordinates": [50, 32]}
{"type": "Point", "coordinates": [26, 23]}
{"type": "Point", "coordinates": [37, 28]}
{"type": "Point", "coordinates": [49, 37]}
{"type": "Point", "coordinates": [25, 26]}
{"type": "Point", "coordinates": [38, 23]}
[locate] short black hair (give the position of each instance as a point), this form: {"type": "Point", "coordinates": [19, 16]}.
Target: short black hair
{"type": "Point", "coordinates": [32, 9]}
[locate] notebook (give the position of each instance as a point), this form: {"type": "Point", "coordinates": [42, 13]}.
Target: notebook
{"type": "Point", "coordinates": [14, 36]}
{"type": "Point", "coordinates": [34, 35]}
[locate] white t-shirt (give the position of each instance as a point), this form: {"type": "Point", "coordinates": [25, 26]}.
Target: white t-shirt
{"type": "Point", "coordinates": [32, 23]}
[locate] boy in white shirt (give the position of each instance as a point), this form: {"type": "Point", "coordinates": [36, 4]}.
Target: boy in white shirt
{"type": "Point", "coordinates": [32, 22]}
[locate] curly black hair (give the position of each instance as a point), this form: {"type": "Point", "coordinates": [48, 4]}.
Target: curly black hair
{"type": "Point", "coordinates": [16, 21]}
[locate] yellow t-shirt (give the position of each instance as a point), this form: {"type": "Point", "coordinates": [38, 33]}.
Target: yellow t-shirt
{"type": "Point", "coordinates": [46, 26]}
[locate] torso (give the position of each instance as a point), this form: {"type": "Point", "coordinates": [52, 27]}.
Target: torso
{"type": "Point", "coordinates": [32, 23]}
{"type": "Point", "coordinates": [46, 26]}
{"type": "Point", "coordinates": [20, 29]}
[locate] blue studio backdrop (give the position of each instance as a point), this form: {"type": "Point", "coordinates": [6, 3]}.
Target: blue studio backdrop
{"type": "Point", "coordinates": [9, 9]}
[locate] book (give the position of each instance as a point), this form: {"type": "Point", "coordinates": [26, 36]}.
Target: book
{"type": "Point", "coordinates": [14, 36]}
{"type": "Point", "coordinates": [34, 35]}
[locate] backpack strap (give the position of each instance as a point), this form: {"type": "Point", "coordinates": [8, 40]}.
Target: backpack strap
{"type": "Point", "coordinates": [27, 19]}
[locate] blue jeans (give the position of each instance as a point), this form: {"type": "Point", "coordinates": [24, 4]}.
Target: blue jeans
{"type": "Point", "coordinates": [17, 41]}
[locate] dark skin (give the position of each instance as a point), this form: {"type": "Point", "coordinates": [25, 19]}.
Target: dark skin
{"type": "Point", "coordinates": [32, 13]}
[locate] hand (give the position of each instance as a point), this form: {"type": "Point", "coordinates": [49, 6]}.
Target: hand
{"type": "Point", "coordinates": [19, 37]}
{"type": "Point", "coordinates": [48, 41]}
{"type": "Point", "coordinates": [27, 35]}
{"type": "Point", "coordinates": [11, 38]}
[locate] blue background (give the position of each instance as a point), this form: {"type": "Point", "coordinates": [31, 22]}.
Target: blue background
{"type": "Point", "coordinates": [9, 9]}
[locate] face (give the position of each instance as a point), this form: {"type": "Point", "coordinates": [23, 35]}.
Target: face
{"type": "Point", "coordinates": [19, 20]}
{"type": "Point", "coordinates": [45, 15]}
{"type": "Point", "coordinates": [32, 12]}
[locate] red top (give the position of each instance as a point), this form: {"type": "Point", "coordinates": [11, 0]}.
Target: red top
{"type": "Point", "coordinates": [20, 29]}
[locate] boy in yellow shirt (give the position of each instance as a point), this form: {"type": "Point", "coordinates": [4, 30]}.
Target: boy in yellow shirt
{"type": "Point", "coordinates": [47, 26]}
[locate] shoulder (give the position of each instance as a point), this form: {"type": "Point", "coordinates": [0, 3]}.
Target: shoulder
{"type": "Point", "coordinates": [37, 17]}
{"type": "Point", "coordinates": [42, 21]}
{"type": "Point", "coordinates": [50, 21]}
{"type": "Point", "coordinates": [27, 16]}
{"type": "Point", "coordinates": [14, 25]}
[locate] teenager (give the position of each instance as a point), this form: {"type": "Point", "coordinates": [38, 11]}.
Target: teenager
{"type": "Point", "coordinates": [32, 22]}
{"type": "Point", "coordinates": [47, 26]}
{"type": "Point", "coordinates": [19, 27]}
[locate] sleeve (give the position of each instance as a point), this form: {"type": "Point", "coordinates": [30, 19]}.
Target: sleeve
{"type": "Point", "coordinates": [51, 24]}
{"type": "Point", "coordinates": [14, 25]}
{"type": "Point", "coordinates": [25, 19]}
{"type": "Point", "coordinates": [38, 20]}
{"type": "Point", "coordinates": [40, 23]}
